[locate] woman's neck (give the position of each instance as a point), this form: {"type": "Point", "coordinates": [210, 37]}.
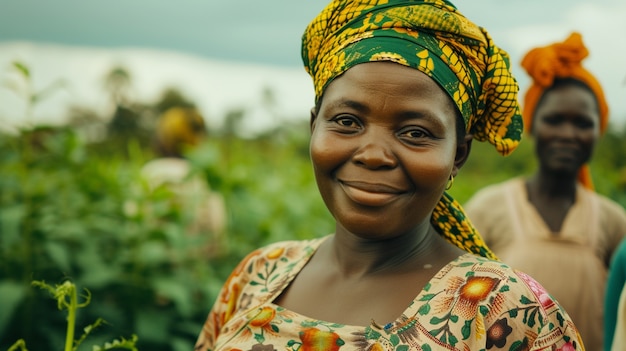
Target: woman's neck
{"type": "Point", "coordinates": [421, 248]}
{"type": "Point", "coordinates": [544, 184]}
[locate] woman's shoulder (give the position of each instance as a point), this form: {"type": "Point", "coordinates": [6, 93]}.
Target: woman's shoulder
{"type": "Point", "coordinates": [610, 207]}
{"type": "Point", "coordinates": [292, 247]}
{"type": "Point", "coordinates": [510, 288]}
{"type": "Point", "coordinates": [281, 253]}
{"type": "Point", "coordinates": [495, 191]}
{"type": "Point", "coordinates": [512, 301]}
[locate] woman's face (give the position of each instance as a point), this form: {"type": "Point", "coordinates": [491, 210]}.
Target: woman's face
{"type": "Point", "coordinates": [565, 128]}
{"type": "Point", "coordinates": [383, 147]}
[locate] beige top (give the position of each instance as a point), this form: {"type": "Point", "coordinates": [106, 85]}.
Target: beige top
{"type": "Point", "coordinates": [571, 264]}
{"type": "Point", "coordinates": [204, 210]}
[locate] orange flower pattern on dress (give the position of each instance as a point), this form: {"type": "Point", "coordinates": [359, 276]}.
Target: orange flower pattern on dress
{"type": "Point", "coordinates": [475, 290]}
{"type": "Point", "coordinates": [473, 303]}
{"type": "Point", "coordinates": [314, 339]}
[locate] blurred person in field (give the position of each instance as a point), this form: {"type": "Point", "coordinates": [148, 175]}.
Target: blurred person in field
{"type": "Point", "coordinates": [179, 130]}
{"type": "Point", "coordinates": [553, 225]}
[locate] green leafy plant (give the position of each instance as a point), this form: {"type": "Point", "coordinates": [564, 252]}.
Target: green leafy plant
{"type": "Point", "coordinates": [67, 298]}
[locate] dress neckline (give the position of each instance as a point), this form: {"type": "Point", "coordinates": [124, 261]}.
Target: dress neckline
{"type": "Point", "coordinates": [315, 244]}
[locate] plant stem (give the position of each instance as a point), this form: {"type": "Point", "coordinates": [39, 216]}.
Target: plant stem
{"type": "Point", "coordinates": [71, 320]}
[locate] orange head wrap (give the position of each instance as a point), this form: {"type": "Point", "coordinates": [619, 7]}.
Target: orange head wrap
{"type": "Point", "coordinates": [561, 60]}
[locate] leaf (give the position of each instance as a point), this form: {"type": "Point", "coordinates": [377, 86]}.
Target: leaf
{"type": "Point", "coordinates": [11, 218]}
{"type": "Point", "coordinates": [12, 294]}
{"type": "Point", "coordinates": [466, 330]}
{"type": "Point", "coordinates": [395, 339]}
{"type": "Point", "coordinates": [436, 320]}
{"type": "Point", "coordinates": [22, 68]}
{"type": "Point", "coordinates": [453, 340]}
{"type": "Point", "coordinates": [483, 310]}
{"type": "Point", "coordinates": [424, 309]}
{"type": "Point", "coordinates": [531, 318]}
{"type": "Point", "coordinates": [59, 254]}
{"type": "Point", "coordinates": [525, 301]}
{"type": "Point", "coordinates": [174, 290]}
{"type": "Point", "coordinates": [152, 325]}
{"type": "Point", "coordinates": [129, 344]}
{"type": "Point", "coordinates": [259, 338]}
{"type": "Point", "coordinates": [86, 331]}
{"type": "Point", "coordinates": [560, 318]}
{"type": "Point", "coordinates": [516, 345]}
{"type": "Point", "coordinates": [371, 334]}
{"type": "Point", "coordinates": [427, 297]}
{"type": "Point", "coordinates": [20, 344]}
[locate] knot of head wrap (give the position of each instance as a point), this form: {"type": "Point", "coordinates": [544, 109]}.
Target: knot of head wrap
{"type": "Point", "coordinates": [434, 38]}
{"type": "Point", "coordinates": [561, 60]}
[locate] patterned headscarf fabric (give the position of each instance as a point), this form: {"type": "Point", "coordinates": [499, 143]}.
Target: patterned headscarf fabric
{"type": "Point", "coordinates": [561, 60]}
{"type": "Point", "coordinates": [434, 38]}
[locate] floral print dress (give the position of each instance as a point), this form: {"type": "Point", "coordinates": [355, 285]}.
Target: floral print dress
{"type": "Point", "coordinates": [472, 303]}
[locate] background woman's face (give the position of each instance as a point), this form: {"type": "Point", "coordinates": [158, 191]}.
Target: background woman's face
{"type": "Point", "coordinates": [566, 127]}
{"type": "Point", "coordinates": [383, 146]}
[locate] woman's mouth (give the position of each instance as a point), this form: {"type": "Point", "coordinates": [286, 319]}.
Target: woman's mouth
{"type": "Point", "coordinates": [370, 194]}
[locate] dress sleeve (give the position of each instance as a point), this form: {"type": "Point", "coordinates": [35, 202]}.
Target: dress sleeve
{"type": "Point", "coordinates": [555, 329]}
{"type": "Point", "coordinates": [226, 304]}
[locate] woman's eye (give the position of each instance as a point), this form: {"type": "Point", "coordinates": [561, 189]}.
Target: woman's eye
{"type": "Point", "coordinates": [347, 122]}
{"type": "Point", "coordinates": [413, 134]}
{"type": "Point", "coordinates": [584, 123]}
{"type": "Point", "coordinates": [552, 120]}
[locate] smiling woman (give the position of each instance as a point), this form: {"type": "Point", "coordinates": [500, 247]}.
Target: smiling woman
{"type": "Point", "coordinates": [401, 89]}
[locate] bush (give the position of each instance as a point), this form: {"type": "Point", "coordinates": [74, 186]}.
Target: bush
{"type": "Point", "coordinates": [62, 216]}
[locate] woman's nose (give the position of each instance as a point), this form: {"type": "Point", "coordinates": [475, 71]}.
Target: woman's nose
{"type": "Point", "coordinates": [568, 131]}
{"type": "Point", "coordinates": [375, 153]}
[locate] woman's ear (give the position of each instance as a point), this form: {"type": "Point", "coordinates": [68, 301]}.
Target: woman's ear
{"type": "Point", "coordinates": [313, 119]}
{"type": "Point", "coordinates": [462, 153]}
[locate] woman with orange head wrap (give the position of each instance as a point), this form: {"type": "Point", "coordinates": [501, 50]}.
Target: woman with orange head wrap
{"type": "Point", "coordinates": [552, 224]}
{"type": "Point", "coordinates": [401, 89]}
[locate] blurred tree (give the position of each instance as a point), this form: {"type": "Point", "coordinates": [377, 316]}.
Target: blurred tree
{"type": "Point", "coordinates": [118, 82]}
{"type": "Point", "coordinates": [172, 97]}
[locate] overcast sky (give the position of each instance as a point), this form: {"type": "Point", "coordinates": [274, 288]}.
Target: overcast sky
{"type": "Point", "coordinates": [268, 32]}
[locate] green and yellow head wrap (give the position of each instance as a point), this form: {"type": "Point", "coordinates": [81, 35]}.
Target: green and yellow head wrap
{"type": "Point", "coordinates": [434, 38]}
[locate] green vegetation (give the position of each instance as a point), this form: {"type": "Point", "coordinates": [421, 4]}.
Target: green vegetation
{"type": "Point", "coordinates": [66, 213]}
{"type": "Point", "coordinates": [67, 298]}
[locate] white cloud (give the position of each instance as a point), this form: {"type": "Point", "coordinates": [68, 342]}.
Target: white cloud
{"type": "Point", "coordinates": [215, 86]}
